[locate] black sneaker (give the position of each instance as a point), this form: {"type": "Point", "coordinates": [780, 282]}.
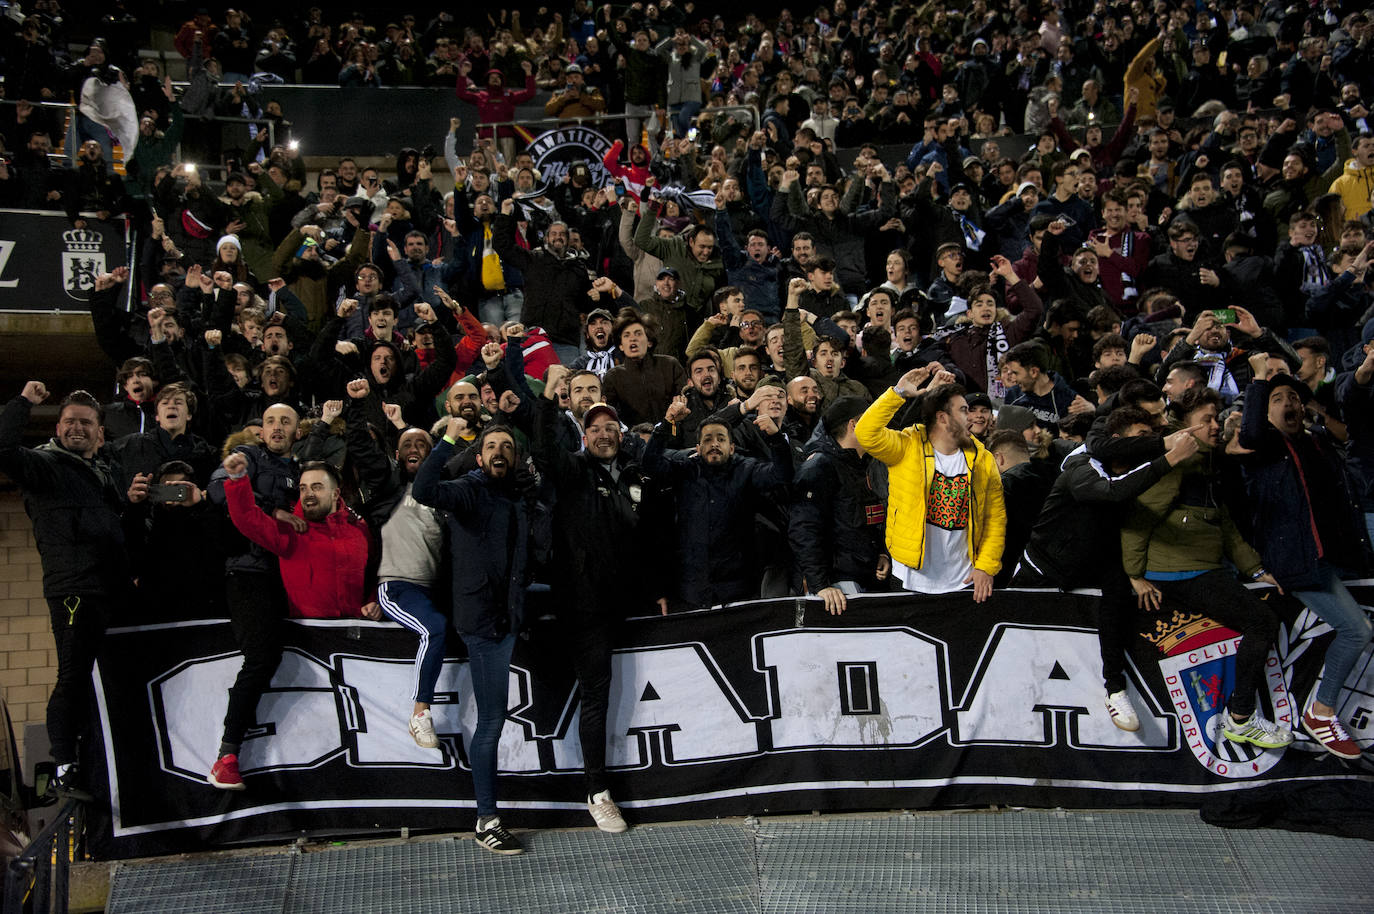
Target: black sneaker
{"type": "Point", "coordinates": [69, 786]}
{"type": "Point", "coordinates": [493, 836]}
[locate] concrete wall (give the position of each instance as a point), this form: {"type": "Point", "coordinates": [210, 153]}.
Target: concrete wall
{"type": "Point", "coordinates": [28, 661]}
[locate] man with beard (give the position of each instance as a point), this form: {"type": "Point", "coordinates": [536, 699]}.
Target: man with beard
{"type": "Point", "coordinates": [947, 520]}
{"type": "Point", "coordinates": [601, 352]}
{"type": "Point", "coordinates": [1309, 536]}
{"type": "Point", "coordinates": [601, 568]}
{"type": "Point", "coordinates": [836, 523]}
{"type": "Point", "coordinates": [556, 281]}
{"type": "Point", "coordinates": [703, 394]}
{"type": "Point", "coordinates": [641, 387]}
{"type": "Point", "coordinates": [803, 408]}
{"type": "Point", "coordinates": [488, 519]}
{"type": "Point", "coordinates": [1221, 350]}
{"type": "Point", "coordinates": [746, 371]}
{"type": "Point", "coordinates": [464, 402]}
{"type": "Point", "coordinates": [253, 588]}
{"type": "Point", "coordinates": [717, 496]}
{"type": "Point", "coordinates": [72, 495]}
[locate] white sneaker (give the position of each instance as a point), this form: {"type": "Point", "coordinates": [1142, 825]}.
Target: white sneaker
{"type": "Point", "coordinates": [1122, 711]}
{"type": "Point", "coordinates": [422, 730]}
{"type": "Point", "coordinates": [606, 813]}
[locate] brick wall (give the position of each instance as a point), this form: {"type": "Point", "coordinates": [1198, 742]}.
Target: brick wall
{"type": "Point", "coordinates": [28, 662]}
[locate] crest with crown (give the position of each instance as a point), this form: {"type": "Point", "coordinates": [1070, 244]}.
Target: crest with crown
{"type": "Point", "coordinates": [81, 241]}
{"type": "Point", "coordinates": [1184, 632]}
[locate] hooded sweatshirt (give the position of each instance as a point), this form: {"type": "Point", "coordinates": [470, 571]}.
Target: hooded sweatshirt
{"type": "Point", "coordinates": [1355, 185]}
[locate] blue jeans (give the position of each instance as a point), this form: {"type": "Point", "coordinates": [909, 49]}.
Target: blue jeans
{"type": "Point", "coordinates": [501, 307]}
{"type": "Point", "coordinates": [489, 662]}
{"type": "Point", "coordinates": [410, 605]}
{"type": "Point", "coordinates": [1337, 608]}
{"type": "Point", "coordinates": [683, 116]}
{"type": "Point", "coordinates": [1369, 525]}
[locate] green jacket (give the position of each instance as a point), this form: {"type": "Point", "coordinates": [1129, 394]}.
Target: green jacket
{"type": "Point", "coordinates": [1181, 524]}
{"type": "Point", "coordinates": [697, 280]}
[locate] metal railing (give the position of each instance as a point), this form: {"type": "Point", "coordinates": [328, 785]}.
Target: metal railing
{"type": "Point", "coordinates": [38, 880]}
{"type": "Point", "coordinates": [594, 119]}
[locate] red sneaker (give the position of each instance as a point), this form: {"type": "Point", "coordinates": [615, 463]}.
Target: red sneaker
{"type": "Point", "coordinates": [1331, 734]}
{"type": "Point", "coordinates": [225, 775]}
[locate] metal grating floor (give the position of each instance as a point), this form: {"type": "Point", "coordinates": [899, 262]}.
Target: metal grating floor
{"type": "Point", "coordinates": [966, 863]}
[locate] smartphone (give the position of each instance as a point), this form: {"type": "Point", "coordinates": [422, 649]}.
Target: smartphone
{"type": "Point", "coordinates": [1224, 315]}
{"type": "Point", "coordinates": [692, 134]}
{"type": "Point", "coordinates": [168, 493]}
{"type": "Point", "coordinates": [619, 190]}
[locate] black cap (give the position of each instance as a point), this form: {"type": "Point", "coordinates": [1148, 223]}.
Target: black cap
{"type": "Point", "coordinates": [978, 399]}
{"type": "Point", "coordinates": [1283, 379]}
{"type": "Point", "coordinates": [958, 187]}
{"type": "Point", "coordinates": [669, 271]}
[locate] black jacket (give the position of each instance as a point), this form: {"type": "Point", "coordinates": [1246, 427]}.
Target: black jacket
{"type": "Point", "coordinates": [716, 547]}
{"type": "Point", "coordinates": [837, 522]}
{"type": "Point", "coordinates": [274, 486]}
{"type": "Point", "coordinates": [1077, 538]}
{"type": "Point", "coordinates": [1285, 479]}
{"type": "Point", "coordinates": [74, 505]}
{"type": "Point", "coordinates": [555, 288]}
{"type": "Point", "coordinates": [144, 453]}
{"type": "Point", "coordinates": [600, 559]}
{"type": "Point", "coordinates": [488, 527]}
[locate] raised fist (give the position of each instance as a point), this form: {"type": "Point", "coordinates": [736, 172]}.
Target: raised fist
{"type": "Point", "coordinates": [213, 338]}
{"type": "Point", "coordinates": [236, 464]}
{"type": "Point", "coordinates": [347, 307]}
{"type": "Point", "coordinates": [35, 392]}
{"type": "Point", "coordinates": [358, 388]}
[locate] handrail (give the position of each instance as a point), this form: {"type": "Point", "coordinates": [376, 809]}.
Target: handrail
{"type": "Point", "coordinates": [600, 118]}
{"type": "Point", "coordinates": [37, 881]}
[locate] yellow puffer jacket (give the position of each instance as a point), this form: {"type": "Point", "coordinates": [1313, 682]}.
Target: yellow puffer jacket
{"type": "Point", "coordinates": [1354, 185]}
{"type": "Point", "coordinates": [911, 461]}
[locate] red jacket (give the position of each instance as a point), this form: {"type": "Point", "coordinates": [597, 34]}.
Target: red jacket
{"type": "Point", "coordinates": [495, 106]}
{"type": "Point", "coordinates": [633, 176]}
{"type": "Point", "coordinates": [323, 569]}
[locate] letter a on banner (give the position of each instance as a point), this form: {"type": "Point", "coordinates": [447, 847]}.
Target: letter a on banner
{"type": "Point", "coordinates": [666, 691]}
{"type": "Point", "coordinates": [1026, 674]}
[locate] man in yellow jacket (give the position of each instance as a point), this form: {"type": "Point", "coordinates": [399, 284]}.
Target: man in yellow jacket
{"type": "Point", "coordinates": [946, 521]}
{"type": "Point", "coordinates": [1356, 183]}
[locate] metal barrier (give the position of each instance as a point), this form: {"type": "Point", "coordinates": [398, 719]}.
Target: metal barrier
{"type": "Point", "coordinates": [595, 119]}
{"type": "Point", "coordinates": [37, 881]}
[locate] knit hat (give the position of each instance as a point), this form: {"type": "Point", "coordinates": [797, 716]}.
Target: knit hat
{"type": "Point", "coordinates": [1014, 419]}
{"type": "Point", "coordinates": [229, 239]}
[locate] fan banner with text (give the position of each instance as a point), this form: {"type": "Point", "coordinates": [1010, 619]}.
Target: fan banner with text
{"type": "Point", "coordinates": [904, 701]}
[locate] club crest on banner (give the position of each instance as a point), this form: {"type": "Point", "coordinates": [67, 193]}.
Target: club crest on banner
{"type": "Point", "coordinates": [555, 151]}
{"type": "Point", "coordinates": [1199, 670]}
{"type": "Point", "coordinates": [82, 262]}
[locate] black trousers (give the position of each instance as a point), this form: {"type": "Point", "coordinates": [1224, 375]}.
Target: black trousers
{"type": "Point", "coordinates": [1118, 616]}
{"type": "Point", "coordinates": [1218, 595]}
{"type": "Point", "coordinates": [78, 630]}
{"type": "Point", "coordinates": [257, 606]}
{"type": "Point", "coordinates": [591, 641]}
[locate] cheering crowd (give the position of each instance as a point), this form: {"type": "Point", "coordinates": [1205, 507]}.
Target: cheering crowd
{"type": "Point", "coordinates": [1135, 355]}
